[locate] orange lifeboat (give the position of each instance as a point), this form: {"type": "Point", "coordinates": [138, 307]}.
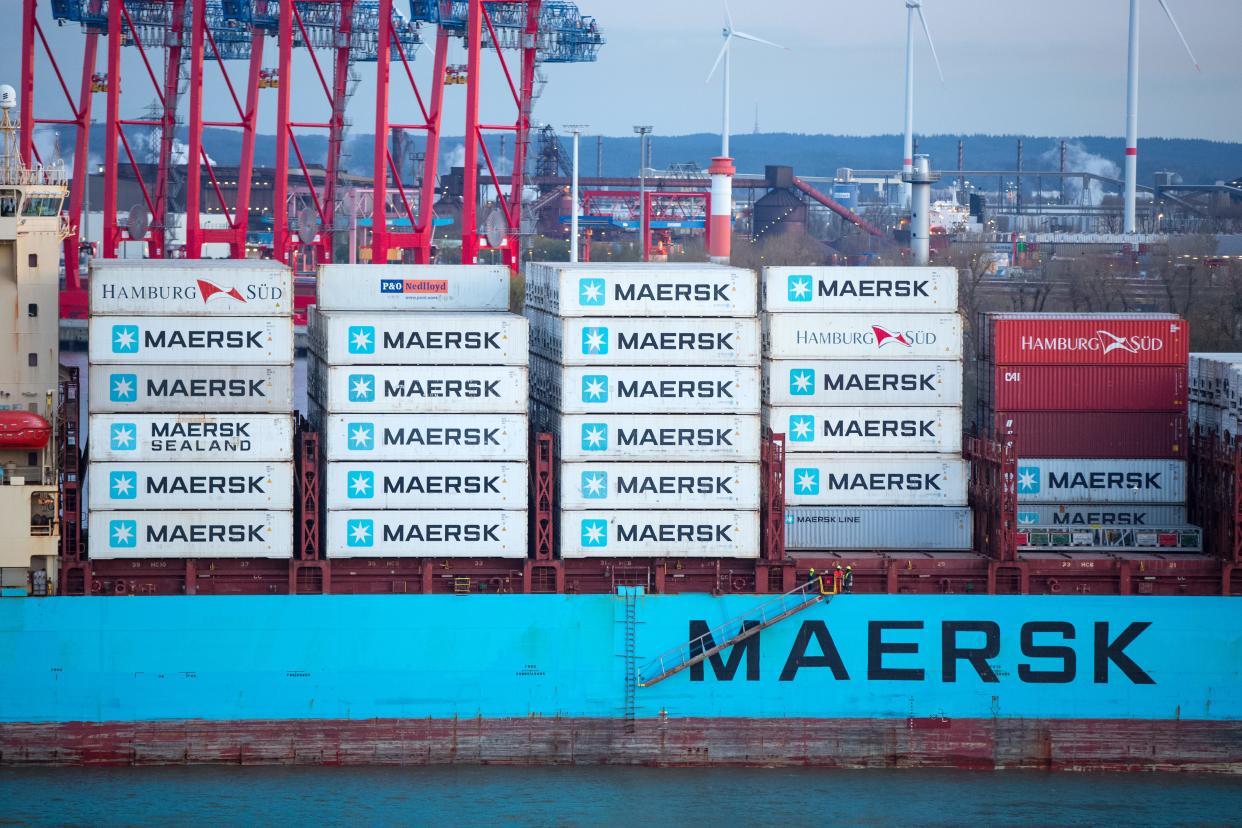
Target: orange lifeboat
{"type": "Point", "coordinates": [23, 430]}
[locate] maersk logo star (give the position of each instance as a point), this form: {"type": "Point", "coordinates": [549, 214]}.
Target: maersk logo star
{"type": "Point", "coordinates": [123, 485]}
{"type": "Point", "coordinates": [595, 388]}
{"type": "Point", "coordinates": [799, 288]}
{"type": "Point", "coordinates": [1028, 479]}
{"type": "Point", "coordinates": [122, 534]}
{"type": "Point", "coordinates": [360, 532]}
{"type": "Point", "coordinates": [806, 481]}
{"type": "Point", "coordinates": [361, 339]}
{"type": "Point", "coordinates": [594, 340]}
{"type": "Point", "coordinates": [594, 437]}
{"type": "Point", "coordinates": [802, 382]}
{"type": "Point", "coordinates": [123, 387]}
{"type": "Point", "coordinates": [1028, 518]}
{"type": "Point", "coordinates": [361, 387]}
{"type": "Point", "coordinates": [591, 292]}
{"type": "Point", "coordinates": [124, 339]}
{"type": "Point", "coordinates": [361, 436]}
{"type": "Point", "coordinates": [595, 485]}
{"type": "Point", "coordinates": [594, 533]}
{"type": "Point", "coordinates": [801, 428]}
{"type": "Point", "coordinates": [123, 437]}
{"type": "Point", "coordinates": [360, 484]}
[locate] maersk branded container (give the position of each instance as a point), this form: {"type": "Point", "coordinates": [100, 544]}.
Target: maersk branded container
{"type": "Point", "coordinates": [187, 485]}
{"type": "Point", "coordinates": [1048, 480]}
{"type": "Point", "coordinates": [1083, 387]}
{"type": "Point", "coordinates": [644, 340]}
{"type": "Point", "coordinates": [191, 534]}
{"type": "Point", "coordinates": [1125, 434]}
{"type": "Point", "coordinates": [853, 289]}
{"type": "Point", "coordinates": [369, 287]}
{"type": "Point", "coordinates": [659, 485]}
{"type": "Point", "coordinates": [191, 340]}
{"type": "Point", "coordinates": [672, 438]}
{"type": "Point", "coordinates": [640, 289]}
{"type": "Point", "coordinates": [186, 287]}
{"type": "Point", "coordinates": [865, 429]}
{"type": "Point", "coordinates": [445, 485]}
{"type": "Point", "coordinates": [890, 336]}
{"type": "Point", "coordinates": [229, 389]}
{"type": "Point", "coordinates": [639, 390]}
{"type": "Point", "coordinates": [875, 480]}
{"type": "Point", "coordinates": [659, 534]}
{"type": "Point", "coordinates": [1154, 515]}
{"type": "Point", "coordinates": [1084, 339]}
{"type": "Point", "coordinates": [431, 389]}
{"type": "Point", "coordinates": [130, 438]}
{"type": "Point", "coordinates": [418, 338]}
{"type": "Point", "coordinates": [862, 382]}
{"type": "Point", "coordinates": [909, 528]}
{"type": "Point", "coordinates": [372, 437]}
{"type": "Point", "coordinates": [407, 533]}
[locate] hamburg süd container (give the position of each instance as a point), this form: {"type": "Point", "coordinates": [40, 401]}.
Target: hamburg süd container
{"type": "Point", "coordinates": [908, 528]}
{"type": "Point", "coordinates": [1049, 480]}
{"type": "Point", "coordinates": [650, 390]}
{"type": "Point", "coordinates": [369, 287]}
{"type": "Point", "coordinates": [442, 533]}
{"type": "Point", "coordinates": [608, 533]}
{"type": "Point", "coordinates": [1089, 434]}
{"type": "Point", "coordinates": [888, 336]}
{"type": "Point", "coordinates": [1155, 515]}
{"type": "Point", "coordinates": [1083, 387]}
{"type": "Point", "coordinates": [197, 340]}
{"type": "Point", "coordinates": [865, 429]}
{"type": "Point", "coordinates": [443, 485]}
{"type": "Point", "coordinates": [339, 338]}
{"type": "Point", "coordinates": [187, 485]}
{"type": "Point", "coordinates": [232, 389]}
{"type": "Point", "coordinates": [659, 486]}
{"type": "Point", "coordinates": [655, 437]}
{"type": "Point", "coordinates": [853, 289]}
{"type": "Point", "coordinates": [382, 437]}
{"type": "Point", "coordinates": [431, 389]}
{"type": "Point", "coordinates": [188, 287]}
{"type": "Point", "coordinates": [875, 480]}
{"type": "Point", "coordinates": [862, 382]}
{"type": "Point", "coordinates": [191, 534]}
{"type": "Point", "coordinates": [130, 438]}
{"type": "Point", "coordinates": [640, 289]}
{"type": "Point", "coordinates": [644, 340]}
{"type": "Point", "coordinates": [1084, 339]}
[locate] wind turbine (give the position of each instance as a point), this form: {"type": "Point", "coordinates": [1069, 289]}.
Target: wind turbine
{"type": "Point", "coordinates": [1128, 223]}
{"type": "Point", "coordinates": [913, 7]}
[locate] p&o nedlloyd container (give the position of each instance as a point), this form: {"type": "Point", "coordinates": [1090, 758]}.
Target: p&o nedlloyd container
{"type": "Point", "coordinates": [391, 437]}
{"type": "Point", "coordinates": [641, 390]}
{"type": "Point", "coordinates": [346, 287]}
{"type": "Point", "coordinates": [191, 288]}
{"type": "Point", "coordinates": [864, 429]}
{"type": "Point", "coordinates": [1154, 515]}
{"type": "Point", "coordinates": [928, 528]}
{"type": "Point", "coordinates": [895, 336]}
{"type": "Point", "coordinates": [655, 437]}
{"type": "Point", "coordinates": [862, 382]}
{"type": "Point", "coordinates": [174, 389]}
{"type": "Point", "coordinates": [339, 338]}
{"type": "Point", "coordinates": [610, 533]}
{"type": "Point", "coordinates": [130, 438]}
{"type": "Point", "coordinates": [187, 485]}
{"type": "Point", "coordinates": [854, 289]}
{"type": "Point", "coordinates": [197, 340]}
{"type": "Point", "coordinates": [405, 533]}
{"type": "Point", "coordinates": [440, 485]}
{"type": "Point", "coordinates": [645, 340]}
{"type": "Point", "coordinates": [431, 389]}
{"type": "Point", "coordinates": [875, 480]}
{"type": "Point", "coordinates": [655, 485]}
{"type": "Point", "coordinates": [601, 289]}
{"type": "Point", "coordinates": [1048, 480]}
{"type": "Point", "coordinates": [191, 534]}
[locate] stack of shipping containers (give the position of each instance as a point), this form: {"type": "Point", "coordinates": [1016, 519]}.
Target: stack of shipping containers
{"type": "Point", "coordinates": [418, 385]}
{"type": "Point", "coordinates": [190, 396]}
{"type": "Point", "coordinates": [863, 375]}
{"type": "Point", "coordinates": [648, 376]}
{"type": "Point", "coordinates": [1096, 404]}
{"type": "Point", "coordinates": [1215, 391]}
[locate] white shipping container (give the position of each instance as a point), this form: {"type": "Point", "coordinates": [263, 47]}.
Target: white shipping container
{"type": "Point", "coordinates": [191, 534]}
{"type": "Point", "coordinates": [1152, 515]}
{"type": "Point", "coordinates": [431, 389]}
{"type": "Point", "coordinates": [664, 437]}
{"type": "Point", "coordinates": [857, 429]}
{"type": "Point", "coordinates": [659, 486]}
{"type": "Point", "coordinates": [853, 289]}
{"type": "Point", "coordinates": [131, 438]}
{"type": "Point", "coordinates": [457, 533]}
{"type": "Point", "coordinates": [659, 534]}
{"type": "Point", "coordinates": [444, 485]}
{"type": "Point", "coordinates": [418, 338]}
{"type": "Point", "coordinates": [424, 436]}
{"type": "Point", "coordinates": [641, 289]}
{"type": "Point", "coordinates": [186, 287]}
{"type": "Point", "coordinates": [875, 480]}
{"type": "Point", "coordinates": [862, 382]}
{"type": "Point", "coordinates": [183, 485]}
{"type": "Point", "coordinates": [633, 390]}
{"type": "Point", "coordinates": [198, 340]}
{"type": "Point", "coordinates": [369, 287]}
{"type": "Point", "coordinates": [256, 389]}
{"type": "Point", "coordinates": [910, 528]}
{"type": "Point", "coordinates": [890, 336]}
{"type": "Point", "coordinates": [644, 340]}
{"type": "Point", "coordinates": [1100, 481]}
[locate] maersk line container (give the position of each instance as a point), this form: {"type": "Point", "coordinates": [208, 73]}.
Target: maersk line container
{"type": "Point", "coordinates": [191, 534]}
{"type": "Point", "coordinates": [1083, 387]}
{"type": "Point", "coordinates": [186, 485]}
{"type": "Point", "coordinates": [381, 437]}
{"type": "Point", "coordinates": [862, 382]}
{"type": "Point", "coordinates": [190, 287]}
{"type": "Point", "coordinates": [1152, 515]}
{"type": "Point", "coordinates": [908, 528]}
{"type": "Point", "coordinates": [854, 289]}
{"type": "Point", "coordinates": [1090, 434]}
{"type": "Point", "coordinates": [644, 340]}
{"type": "Point", "coordinates": [659, 486]}
{"type": "Point", "coordinates": [888, 336]}
{"type": "Point", "coordinates": [864, 429]}
{"type": "Point", "coordinates": [1048, 480]}
{"type": "Point", "coordinates": [191, 340]}
{"type": "Point", "coordinates": [370, 287]}
{"type": "Point", "coordinates": [430, 389]}
{"type": "Point", "coordinates": [636, 390]}
{"type": "Point", "coordinates": [663, 437]}
{"type": "Point", "coordinates": [1084, 339]}
{"type": "Point", "coordinates": [640, 289]}
{"type": "Point", "coordinates": [875, 480]}
{"type": "Point", "coordinates": [609, 533]}
{"type": "Point", "coordinates": [445, 485]}
{"type": "Point", "coordinates": [418, 338]}
{"type": "Point", "coordinates": [408, 533]}
{"type": "Point", "coordinates": [129, 438]}
{"type": "Point", "coordinates": [230, 389]}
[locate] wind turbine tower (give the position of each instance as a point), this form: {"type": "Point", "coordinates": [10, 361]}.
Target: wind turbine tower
{"type": "Point", "coordinates": [913, 8]}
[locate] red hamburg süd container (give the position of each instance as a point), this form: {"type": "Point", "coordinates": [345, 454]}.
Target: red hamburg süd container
{"type": "Point", "coordinates": [1096, 436]}
{"type": "Point", "coordinates": [1085, 388]}
{"type": "Point", "coordinates": [1078, 339]}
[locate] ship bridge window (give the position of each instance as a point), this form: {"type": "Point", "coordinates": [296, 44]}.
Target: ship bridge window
{"type": "Point", "coordinates": [41, 206]}
{"type": "Point", "coordinates": [8, 203]}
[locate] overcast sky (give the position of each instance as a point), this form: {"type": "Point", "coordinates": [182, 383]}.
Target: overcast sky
{"type": "Point", "coordinates": [1042, 67]}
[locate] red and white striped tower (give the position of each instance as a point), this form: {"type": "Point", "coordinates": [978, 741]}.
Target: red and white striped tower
{"type": "Point", "coordinates": [720, 222]}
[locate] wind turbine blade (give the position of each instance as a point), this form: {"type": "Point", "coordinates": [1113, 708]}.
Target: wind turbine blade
{"type": "Point", "coordinates": [1168, 12]}
{"type": "Point", "coordinates": [728, 16]}
{"type": "Point", "coordinates": [719, 57]}
{"type": "Point", "coordinates": [927, 32]}
{"type": "Point", "coordinates": [744, 36]}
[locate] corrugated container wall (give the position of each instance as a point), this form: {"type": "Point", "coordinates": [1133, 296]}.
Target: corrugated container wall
{"type": "Point", "coordinates": [191, 534]}
{"type": "Point", "coordinates": [1083, 387]}
{"type": "Point", "coordinates": [891, 336]}
{"type": "Point", "coordinates": [207, 287]}
{"type": "Point", "coordinates": [1073, 514]}
{"type": "Point", "coordinates": [339, 338]}
{"type": "Point", "coordinates": [659, 485]}
{"type": "Point", "coordinates": [196, 340]}
{"type": "Point", "coordinates": [1051, 480]}
{"type": "Point", "coordinates": [829, 528]}
{"type": "Point", "coordinates": [601, 289]}
{"type": "Point", "coordinates": [182, 485]}
{"type": "Point", "coordinates": [1091, 435]}
{"type": "Point", "coordinates": [191, 437]}
{"type": "Point", "coordinates": [422, 436]}
{"type": "Point", "coordinates": [854, 289]}
{"type": "Point", "coordinates": [457, 533]}
{"type": "Point", "coordinates": [256, 389]}
{"type": "Point", "coordinates": [1094, 339]}
{"type": "Point", "coordinates": [447, 485]}
{"type": "Point", "coordinates": [652, 534]}
{"type": "Point", "coordinates": [370, 287]}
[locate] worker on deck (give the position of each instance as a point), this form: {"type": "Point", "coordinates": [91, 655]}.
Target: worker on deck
{"type": "Point", "coordinates": [847, 581]}
{"type": "Point", "coordinates": [838, 579]}
{"type": "Point", "coordinates": [811, 580]}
